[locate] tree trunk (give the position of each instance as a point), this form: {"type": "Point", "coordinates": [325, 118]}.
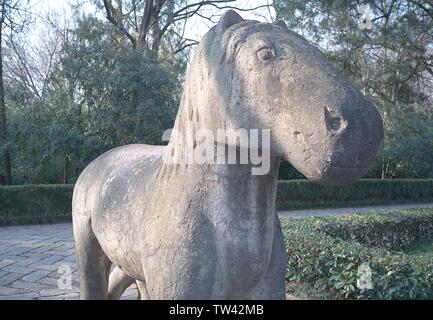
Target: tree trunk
{"type": "Point", "coordinates": [156, 35]}
{"type": "Point", "coordinates": [66, 171]}
{"type": "Point", "coordinates": [384, 170]}
{"type": "Point", "coordinates": [7, 167]}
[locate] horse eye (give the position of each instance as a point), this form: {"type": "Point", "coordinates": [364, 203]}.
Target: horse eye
{"type": "Point", "coordinates": [265, 54]}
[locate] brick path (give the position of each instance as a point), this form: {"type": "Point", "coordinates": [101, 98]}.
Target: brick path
{"type": "Point", "coordinates": [34, 258]}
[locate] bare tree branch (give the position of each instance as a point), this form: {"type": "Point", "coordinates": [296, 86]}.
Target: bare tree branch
{"type": "Point", "coordinates": [146, 21]}
{"type": "Point", "coordinates": [110, 12]}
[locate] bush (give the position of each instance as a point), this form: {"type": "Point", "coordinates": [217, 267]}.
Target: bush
{"type": "Point", "coordinates": [327, 252]}
{"type": "Point", "coordinates": [389, 231]}
{"type": "Point", "coordinates": [294, 194]}
{"type": "Point", "coordinates": [28, 204]}
{"type": "Point", "coordinates": [50, 203]}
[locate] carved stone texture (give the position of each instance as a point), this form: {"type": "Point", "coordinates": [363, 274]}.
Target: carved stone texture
{"type": "Point", "coordinates": [210, 231]}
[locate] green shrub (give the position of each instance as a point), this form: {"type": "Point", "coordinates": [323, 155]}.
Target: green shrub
{"type": "Point", "coordinates": [326, 253]}
{"type": "Point", "coordinates": [389, 231]}
{"type": "Point", "coordinates": [26, 204]}
{"type": "Point", "coordinates": [50, 203]}
{"type": "Point", "coordinates": [293, 194]}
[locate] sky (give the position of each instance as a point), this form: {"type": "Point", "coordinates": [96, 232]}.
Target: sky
{"type": "Point", "coordinates": [196, 26]}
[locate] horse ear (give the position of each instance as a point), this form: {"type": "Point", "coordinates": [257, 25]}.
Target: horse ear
{"type": "Point", "coordinates": [281, 24]}
{"type": "Point", "coordinates": [228, 19]}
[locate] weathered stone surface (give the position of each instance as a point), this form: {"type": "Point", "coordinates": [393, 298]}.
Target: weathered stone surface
{"type": "Point", "coordinates": [9, 278]}
{"type": "Point", "coordinates": [36, 275]}
{"type": "Point", "coordinates": [24, 262]}
{"type": "Point", "coordinates": [6, 262]}
{"type": "Point", "coordinates": [66, 296]}
{"type": "Point", "coordinates": [210, 231]}
{"type": "Point", "coordinates": [33, 275]}
{"type": "Point", "coordinates": [34, 286]}
{"type": "Point", "coordinates": [21, 296]}
{"type": "Point", "coordinates": [8, 291]}
{"type": "Point", "coordinates": [17, 269]}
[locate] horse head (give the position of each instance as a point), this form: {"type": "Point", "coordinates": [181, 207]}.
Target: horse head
{"type": "Point", "coordinates": [247, 74]}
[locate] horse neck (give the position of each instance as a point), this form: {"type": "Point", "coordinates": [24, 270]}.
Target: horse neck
{"type": "Point", "coordinates": [206, 96]}
{"type": "Point", "coordinates": [203, 106]}
{"type": "Point", "coordinates": [233, 182]}
{"type": "Point", "coordinates": [193, 116]}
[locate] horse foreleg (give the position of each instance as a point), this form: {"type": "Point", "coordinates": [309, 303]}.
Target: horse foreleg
{"type": "Point", "coordinates": [272, 284]}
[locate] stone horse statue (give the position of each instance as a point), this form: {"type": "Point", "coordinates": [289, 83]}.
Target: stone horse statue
{"type": "Point", "coordinates": [211, 231]}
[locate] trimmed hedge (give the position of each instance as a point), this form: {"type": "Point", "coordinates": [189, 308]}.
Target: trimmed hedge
{"type": "Point", "coordinates": [296, 194]}
{"type": "Point", "coordinates": [392, 232]}
{"type": "Point", "coordinates": [26, 204]}
{"type": "Point", "coordinates": [325, 253]}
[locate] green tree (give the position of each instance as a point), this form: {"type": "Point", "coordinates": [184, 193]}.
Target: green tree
{"type": "Point", "coordinates": [13, 17]}
{"type": "Point", "coordinates": [408, 151]}
{"type": "Point", "coordinates": [95, 96]}
{"type": "Point", "coordinates": [386, 48]}
{"type": "Point", "coordinates": [127, 95]}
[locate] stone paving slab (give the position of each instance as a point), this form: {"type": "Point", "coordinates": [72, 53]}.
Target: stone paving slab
{"type": "Point", "coordinates": [32, 258]}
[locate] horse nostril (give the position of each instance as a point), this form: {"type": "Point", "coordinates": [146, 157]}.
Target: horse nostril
{"type": "Point", "coordinates": [333, 120]}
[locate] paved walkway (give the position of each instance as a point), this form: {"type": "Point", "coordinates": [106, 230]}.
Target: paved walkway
{"type": "Point", "coordinates": [38, 262]}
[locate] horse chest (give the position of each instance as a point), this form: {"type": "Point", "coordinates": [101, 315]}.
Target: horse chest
{"type": "Point", "coordinates": [217, 263]}
{"type": "Point", "coordinates": [214, 241]}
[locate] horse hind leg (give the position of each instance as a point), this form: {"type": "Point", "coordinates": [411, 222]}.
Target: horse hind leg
{"type": "Point", "coordinates": [143, 294]}
{"type": "Point", "coordinates": [118, 283]}
{"type": "Point", "coordinates": [93, 264]}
